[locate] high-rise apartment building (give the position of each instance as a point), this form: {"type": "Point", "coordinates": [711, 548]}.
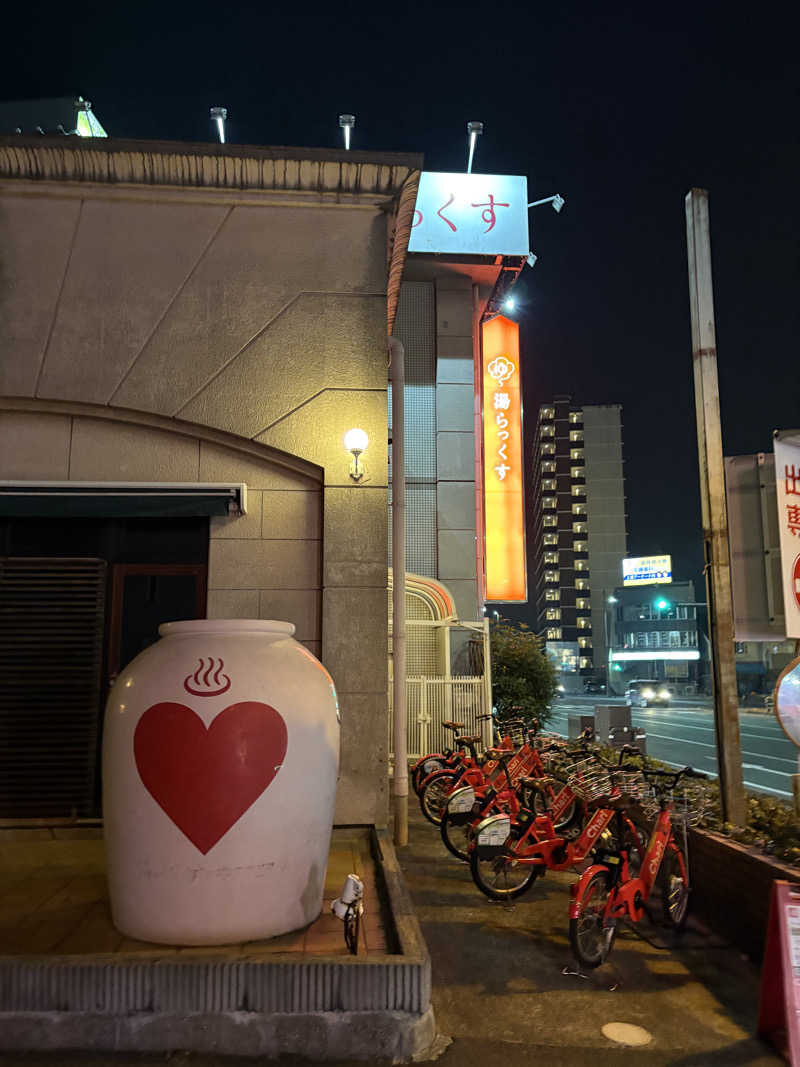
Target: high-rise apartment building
{"type": "Point", "coordinates": [577, 499]}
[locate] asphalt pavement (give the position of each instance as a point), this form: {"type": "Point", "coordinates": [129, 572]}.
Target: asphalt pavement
{"type": "Point", "coordinates": [683, 734]}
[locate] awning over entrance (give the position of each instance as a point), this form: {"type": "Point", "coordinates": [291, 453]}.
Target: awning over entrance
{"type": "Point", "coordinates": [121, 499]}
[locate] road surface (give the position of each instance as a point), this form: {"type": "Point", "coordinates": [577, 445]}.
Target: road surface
{"type": "Point", "coordinates": [684, 734]}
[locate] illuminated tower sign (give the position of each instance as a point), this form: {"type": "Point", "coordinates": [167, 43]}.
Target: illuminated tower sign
{"type": "Point", "coordinates": [504, 522]}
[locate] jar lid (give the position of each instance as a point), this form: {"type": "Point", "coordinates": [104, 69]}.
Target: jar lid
{"type": "Point", "coordinates": [226, 626]}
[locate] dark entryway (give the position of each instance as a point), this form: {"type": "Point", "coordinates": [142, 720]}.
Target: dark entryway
{"type": "Point", "coordinates": [79, 599]}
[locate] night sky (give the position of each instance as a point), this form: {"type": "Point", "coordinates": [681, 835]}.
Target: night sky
{"type": "Point", "coordinates": [619, 113]}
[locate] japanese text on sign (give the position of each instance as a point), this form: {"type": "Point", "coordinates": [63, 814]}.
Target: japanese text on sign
{"type": "Point", "coordinates": [504, 540]}
{"type": "Point", "coordinates": [787, 485]}
{"type": "Point", "coordinates": [474, 213]}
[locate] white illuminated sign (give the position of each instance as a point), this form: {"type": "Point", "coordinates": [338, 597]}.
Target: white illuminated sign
{"type": "Point", "coordinates": [479, 214]}
{"type": "Point", "coordinates": [690, 653]}
{"type": "Point", "coordinates": [647, 570]}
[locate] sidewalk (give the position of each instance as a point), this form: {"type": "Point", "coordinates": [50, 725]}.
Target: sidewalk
{"type": "Point", "coordinates": [500, 992]}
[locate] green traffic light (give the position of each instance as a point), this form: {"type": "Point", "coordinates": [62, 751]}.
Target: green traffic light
{"type": "Point", "coordinates": [662, 605]}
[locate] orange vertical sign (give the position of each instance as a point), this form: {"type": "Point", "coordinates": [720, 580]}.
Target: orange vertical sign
{"type": "Point", "coordinates": [504, 517]}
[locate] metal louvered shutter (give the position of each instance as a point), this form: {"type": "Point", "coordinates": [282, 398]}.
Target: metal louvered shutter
{"type": "Point", "coordinates": [52, 620]}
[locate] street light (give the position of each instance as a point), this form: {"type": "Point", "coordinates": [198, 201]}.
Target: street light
{"type": "Point", "coordinates": [218, 115]}
{"type": "Point", "coordinates": [557, 201]}
{"type": "Point", "coordinates": [347, 122]}
{"type": "Point", "coordinates": [474, 130]}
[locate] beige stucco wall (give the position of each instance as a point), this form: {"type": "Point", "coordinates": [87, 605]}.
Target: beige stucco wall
{"type": "Point", "coordinates": [250, 316]}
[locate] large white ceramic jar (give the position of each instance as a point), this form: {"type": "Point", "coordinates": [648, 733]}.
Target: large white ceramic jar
{"type": "Point", "coordinates": [220, 760]}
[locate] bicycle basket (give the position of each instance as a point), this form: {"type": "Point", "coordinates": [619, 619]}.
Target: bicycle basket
{"type": "Point", "coordinates": [688, 804]}
{"type": "Point", "coordinates": [513, 728]}
{"type": "Point", "coordinates": [589, 780]}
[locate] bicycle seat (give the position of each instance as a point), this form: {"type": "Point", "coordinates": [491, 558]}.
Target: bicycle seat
{"type": "Point", "coordinates": [499, 753]}
{"type": "Point", "coordinates": [454, 725]}
{"type": "Point", "coordinates": [538, 783]}
{"type": "Point", "coordinates": [468, 739]}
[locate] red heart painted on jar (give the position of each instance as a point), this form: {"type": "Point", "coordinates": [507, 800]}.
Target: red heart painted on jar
{"type": "Point", "coordinates": [206, 779]}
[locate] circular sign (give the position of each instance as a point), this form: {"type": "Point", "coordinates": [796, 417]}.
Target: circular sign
{"type": "Point", "coordinates": [787, 696]}
{"type": "Point", "coordinates": [796, 581]}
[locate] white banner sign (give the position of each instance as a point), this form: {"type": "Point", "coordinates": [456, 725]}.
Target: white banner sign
{"type": "Point", "coordinates": [787, 484]}
{"type": "Point", "coordinates": [479, 214]}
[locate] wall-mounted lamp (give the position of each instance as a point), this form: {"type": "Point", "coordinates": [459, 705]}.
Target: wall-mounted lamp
{"type": "Point", "coordinates": [474, 130]}
{"type": "Point", "coordinates": [218, 115]}
{"type": "Point", "coordinates": [356, 441]}
{"type": "Point", "coordinates": [347, 122]}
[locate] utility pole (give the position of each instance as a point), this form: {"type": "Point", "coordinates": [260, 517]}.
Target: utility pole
{"type": "Point", "coordinates": [400, 783]}
{"type": "Point", "coordinates": [715, 512]}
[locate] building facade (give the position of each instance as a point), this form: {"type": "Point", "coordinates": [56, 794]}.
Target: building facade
{"type": "Point", "coordinates": [656, 633]}
{"type": "Point", "coordinates": [578, 528]}
{"type": "Point", "coordinates": [178, 321]}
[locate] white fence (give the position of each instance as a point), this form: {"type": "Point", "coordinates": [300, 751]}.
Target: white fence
{"type": "Point", "coordinates": [432, 701]}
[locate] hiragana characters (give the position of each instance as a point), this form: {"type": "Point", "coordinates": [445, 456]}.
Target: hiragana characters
{"type": "Point", "coordinates": [489, 215]}
{"type": "Point", "coordinates": [452, 225]}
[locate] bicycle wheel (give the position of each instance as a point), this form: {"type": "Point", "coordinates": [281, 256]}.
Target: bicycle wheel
{"type": "Point", "coordinates": [433, 795]}
{"type": "Point", "coordinates": [425, 768]}
{"type": "Point", "coordinates": [591, 941]}
{"type": "Point", "coordinates": [501, 877]}
{"type": "Point", "coordinates": [352, 922]}
{"type": "Point", "coordinates": [674, 885]}
{"type": "Point", "coordinates": [455, 837]}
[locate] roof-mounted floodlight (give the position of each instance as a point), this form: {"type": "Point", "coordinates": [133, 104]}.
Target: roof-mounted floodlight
{"type": "Point", "coordinates": [557, 201]}
{"type": "Point", "coordinates": [531, 258]}
{"type": "Point", "coordinates": [474, 130]}
{"type": "Point", "coordinates": [347, 122]}
{"type": "Point", "coordinates": [218, 115]}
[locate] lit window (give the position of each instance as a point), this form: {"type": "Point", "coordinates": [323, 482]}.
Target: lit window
{"type": "Point", "coordinates": [551, 557]}
{"type": "Point", "coordinates": [580, 546]}
{"type": "Point", "coordinates": [580, 527]}
{"type": "Point", "coordinates": [548, 466]}
{"type": "Point", "coordinates": [576, 453]}
{"type": "Point", "coordinates": [584, 642]}
{"type": "Point", "coordinates": [552, 594]}
{"type": "Point", "coordinates": [550, 538]}
{"type": "Point", "coordinates": [582, 583]}
{"type": "Point", "coordinates": [553, 614]}
{"type": "Point", "coordinates": [579, 490]}
{"type": "Point", "coordinates": [548, 501]}
{"type": "Point", "coordinates": [581, 565]}
{"type": "Point", "coordinates": [550, 520]}
{"type": "Point", "coordinates": [547, 413]}
{"type": "Point", "coordinates": [553, 633]}
{"type": "Point", "coordinates": [578, 509]}
{"type": "Point", "coordinates": [548, 448]}
{"type": "Point", "coordinates": [552, 576]}
{"type": "Point", "coordinates": [577, 472]}
{"type": "Point", "coordinates": [576, 435]}
{"type": "Point", "coordinates": [549, 485]}
{"type": "Point", "coordinates": [584, 623]}
{"type": "Point", "coordinates": [576, 416]}
{"type": "Point", "coordinates": [548, 429]}
{"type": "Point", "coordinates": [585, 661]}
{"type": "Point", "coordinates": [583, 603]}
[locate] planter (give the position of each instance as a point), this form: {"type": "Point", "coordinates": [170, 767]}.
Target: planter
{"type": "Point", "coordinates": [731, 887]}
{"type": "Point", "coordinates": [220, 759]}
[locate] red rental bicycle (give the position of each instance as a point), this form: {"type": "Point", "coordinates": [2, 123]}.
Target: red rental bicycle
{"type": "Point", "coordinates": [609, 891]}
{"type": "Point", "coordinates": [506, 857]}
{"type": "Point", "coordinates": [439, 761]}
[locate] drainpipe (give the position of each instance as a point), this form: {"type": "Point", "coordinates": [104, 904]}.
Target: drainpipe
{"type": "Point", "coordinates": [400, 787]}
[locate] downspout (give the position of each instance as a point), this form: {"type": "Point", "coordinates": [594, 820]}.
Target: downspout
{"type": "Point", "coordinates": [400, 785]}
{"type": "Point", "coordinates": [398, 248]}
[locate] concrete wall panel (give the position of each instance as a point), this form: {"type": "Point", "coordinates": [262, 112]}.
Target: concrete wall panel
{"type": "Point", "coordinates": [455, 408]}
{"type": "Point", "coordinates": [455, 460]}
{"type": "Point", "coordinates": [240, 564]}
{"type": "Point", "coordinates": [34, 446]}
{"type": "Point", "coordinates": [35, 238]}
{"type": "Point", "coordinates": [103, 450]}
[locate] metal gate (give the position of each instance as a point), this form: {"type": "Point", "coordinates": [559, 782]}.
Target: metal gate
{"type": "Point", "coordinates": [432, 701]}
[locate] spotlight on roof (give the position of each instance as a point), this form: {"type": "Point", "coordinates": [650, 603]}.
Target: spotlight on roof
{"type": "Point", "coordinates": [347, 122]}
{"type": "Point", "coordinates": [474, 130]}
{"type": "Point", "coordinates": [558, 202]}
{"type": "Point", "coordinates": [531, 258]}
{"type": "Point", "coordinates": [218, 115]}
{"type": "Point", "coordinates": [509, 303]}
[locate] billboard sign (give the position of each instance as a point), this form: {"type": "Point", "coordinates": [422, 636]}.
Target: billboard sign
{"type": "Point", "coordinates": [504, 524]}
{"type": "Point", "coordinates": [476, 214]}
{"type": "Point", "coordinates": [647, 570]}
{"type": "Point", "coordinates": [787, 484]}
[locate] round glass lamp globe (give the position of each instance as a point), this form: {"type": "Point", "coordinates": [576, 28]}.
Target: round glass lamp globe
{"type": "Point", "coordinates": [356, 440]}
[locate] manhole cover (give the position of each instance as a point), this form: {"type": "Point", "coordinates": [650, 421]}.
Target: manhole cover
{"type": "Point", "coordinates": [627, 1034]}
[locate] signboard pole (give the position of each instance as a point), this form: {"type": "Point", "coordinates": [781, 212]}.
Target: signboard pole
{"type": "Point", "coordinates": [715, 516]}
